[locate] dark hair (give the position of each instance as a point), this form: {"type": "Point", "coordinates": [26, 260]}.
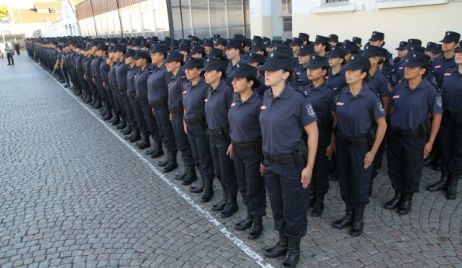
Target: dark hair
{"type": "Point", "coordinates": [367, 74]}
{"type": "Point", "coordinates": [290, 74]}
{"type": "Point", "coordinates": [255, 81]}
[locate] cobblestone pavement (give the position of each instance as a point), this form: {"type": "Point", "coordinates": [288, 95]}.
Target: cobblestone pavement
{"type": "Point", "coordinates": [73, 194]}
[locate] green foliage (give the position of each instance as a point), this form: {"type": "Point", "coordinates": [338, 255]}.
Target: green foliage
{"type": "Point", "coordinates": [3, 12]}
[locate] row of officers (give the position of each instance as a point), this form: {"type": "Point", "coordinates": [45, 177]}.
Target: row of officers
{"type": "Point", "coordinates": [264, 125]}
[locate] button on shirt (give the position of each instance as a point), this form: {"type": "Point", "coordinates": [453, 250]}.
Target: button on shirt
{"type": "Point", "coordinates": [411, 106]}
{"type": "Point", "coordinates": [194, 100]}
{"type": "Point", "coordinates": [157, 84]}
{"type": "Point", "coordinates": [217, 105]}
{"type": "Point", "coordinates": [452, 90]}
{"type": "Point", "coordinates": [243, 119]}
{"type": "Point", "coordinates": [357, 114]}
{"type": "Point", "coordinates": [283, 119]}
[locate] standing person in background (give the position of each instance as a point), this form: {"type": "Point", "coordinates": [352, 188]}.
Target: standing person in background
{"type": "Point", "coordinates": [9, 53]}
{"type": "Point", "coordinates": [16, 46]}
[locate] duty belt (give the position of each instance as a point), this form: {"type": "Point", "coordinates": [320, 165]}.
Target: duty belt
{"type": "Point", "coordinates": [284, 159]}
{"type": "Point", "coordinates": [400, 133]}
{"type": "Point", "coordinates": [253, 145]}
{"type": "Point", "coordinates": [349, 141]}
{"type": "Point", "coordinates": [218, 134]}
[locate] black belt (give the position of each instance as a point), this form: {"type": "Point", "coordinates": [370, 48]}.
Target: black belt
{"type": "Point", "coordinates": [348, 141]}
{"type": "Point", "coordinates": [253, 145]}
{"type": "Point", "coordinates": [177, 109]}
{"type": "Point", "coordinates": [193, 122]}
{"type": "Point", "coordinates": [400, 133]}
{"type": "Point", "coordinates": [283, 159]}
{"type": "Point", "coordinates": [218, 134]}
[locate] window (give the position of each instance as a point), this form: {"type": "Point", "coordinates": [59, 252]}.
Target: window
{"type": "Point", "coordinates": [335, 1]}
{"type": "Point", "coordinates": [287, 24]}
{"type": "Point", "coordinates": [286, 7]}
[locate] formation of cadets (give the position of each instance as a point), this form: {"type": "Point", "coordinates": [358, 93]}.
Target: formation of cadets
{"type": "Point", "coordinates": [267, 117]}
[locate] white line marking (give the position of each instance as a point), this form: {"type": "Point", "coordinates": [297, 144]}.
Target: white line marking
{"type": "Point", "coordinates": [222, 228]}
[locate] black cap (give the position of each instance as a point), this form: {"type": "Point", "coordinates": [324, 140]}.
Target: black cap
{"type": "Point", "coordinates": [414, 42]}
{"type": "Point", "coordinates": [357, 40]}
{"type": "Point", "coordinates": [194, 63]}
{"type": "Point", "coordinates": [402, 45]}
{"type": "Point", "coordinates": [219, 41]}
{"type": "Point", "coordinates": [304, 37]}
{"type": "Point", "coordinates": [458, 49]}
{"type": "Point", "coordinates": [296, 42]}
{"type": "Point", "coordinates": [317, 62]}
{"type": "Point", "coordinates": [282, 49]}
{"type": "Point", "coordinates": [306, 50]}
{"type": "Point", "coordinates": [373, 51]}
{"type": "Point", "coordinates": [256, 58]}
{"type": "Point", "coordinates": [207, 43]}
{"type": "Point", "coordinates": [258, 47]}
{"type": "Point", "coordinates": [450, 37]}
{"type": "Point", "coordinates": [159, 49]}
{"type": "Point", "coordinates": [336, 53]}
{"type": "Point", "coordinates": [416, 59]}
{"type": "Point", "coordinates": [215, 64]}
{"type": "Point", "coordinates": [197, 49]}
{"type": "Point", "coordinates": [350, 47]}
{"type": "Point", "coordinates": [438, 48]}
{"type": "Point", "coordinates": [142, 55]}
{"type": "Point", "coordinates": [418, 49]}
{"type": "Point", "coordinates": [358, 63]}
{"type": "Point", "coordinates": [245, 70]}
{"type": "Point", "coordinates": [278, 61]}
{"type": "Point", "coordinates": [102, 47]}
{"type": "Point", "coordinates": [174, 56]}
{"type": "Point", "coordinates": [333, 38]}
{"type": "Point", "coordinates": [430, 46]}
{"type": "Point", "coordinates": [130, 53]}
{"type": "Point", "coordinates": [321, 40]}
{"type": "Point", "coordinates": [234, 43]}
{"type": "Point", "coordinates": [216, 53]}
{"type": "Point", "coordinates": [377, 36]}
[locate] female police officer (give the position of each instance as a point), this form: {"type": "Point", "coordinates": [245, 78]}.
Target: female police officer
{"type": "Point", "coordinates": [218, 102]}
{"type": "Point", "coordinates": [285, 115]}
{"type": "Point", "coordinates": [413, 100]}
{"type": "Point", "coordinates": [245, 149]}
{"type": "Point", "coordinates": [357, 110]}
{"type": "Point", "coordinates": [322, 98]}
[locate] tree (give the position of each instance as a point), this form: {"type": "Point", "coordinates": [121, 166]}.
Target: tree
{"type": "Point", "coordinates": [3, 12]}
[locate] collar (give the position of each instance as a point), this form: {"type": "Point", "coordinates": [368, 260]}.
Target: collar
{"type": "Point", "coordinates": [285, 94]}
{"type": "Point", "coordinates": [362, 92]}
{"type": "Point", "coordinates": [250, 100]}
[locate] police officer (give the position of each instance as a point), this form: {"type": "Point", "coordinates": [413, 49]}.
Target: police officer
{"type": "Point", "coordinates": [358, 108]}
{"type": "Point", "coordinates": [233, 54]}
{"type": "Point", "coordinates": [321, 45]}
{"type": "Point", "coordinates": [296, 45]}
{"type": "Point", "coordinates": [378, 40]}
{"type": "Point", "coordinates": [300, 68]}
{"type": "Point", "coordinates": [451, 129]}
{"type": "Point", "coordinates": [285, 115]}
{"type": "Point", "coordinates": [158, 100]}
{"type": "Point", "coordinates": [137, 121]}
{"type": "Point", "coordinates": [446, 60]}
{"type": "Point", "coordinates": [245, 149]}
{"type": "Point", "coordinates": [399, 60]}
{"type": "Point", "coordinates": [218, 102]}
{"type": "Point", "coordinates": [104, 68]}
{"type": "Point", "coordinates": [414, 100]}
{"type": "Point", "coordinates": [175, 105]}
{"type": "Point", "coordinates": [257, 60]}
{"type": "Point", "coordinates": [322, 99]}
{"type": "Point", "coordinates": [143, 60]}
{"type": "Point", "coordinates": [194, 96]}
{"type": "Point", "coordinates": [336, 75]}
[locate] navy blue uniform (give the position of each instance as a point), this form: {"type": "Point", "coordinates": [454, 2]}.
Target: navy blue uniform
{"type": "Point", "coordinates": [336, 82]}
{"type": "Point", "coordinates": [451, 126]}
{"type": "Point", "coordinates": [439, 66]}
{"type": "Point", "coordinates": [408, 132]}
{"type": "Point", "coordinates": [301, 76]}
{"type": "Point", "coordinates": [282, 121]}
{"type": "Point", "coordinates": [108, 100]}
{"type": "Point", "coordinates": [245, 133]}
{"type": "Point", "coordinates": [158, 99]}
{"type": "Point", "coordinates": [194, 97]}
{"type": "Point", "coordinates": [121, 77]}
{"type": "Point", "coordinates": [138, 120]}
{"type": "Point", "coordinates": [217, 105]}
{"type": "Point", "coordinates": [230, 70]}
{"type": "Point", "coordinates": [322, 99]}
{"type": "Point", "coordinates": [356, 116]}
{"type": "Point", "coordinates": [113, 85]}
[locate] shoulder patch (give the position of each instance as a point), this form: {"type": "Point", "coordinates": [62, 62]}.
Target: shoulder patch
{"type": "Point", "coordinates": [439, 101]}
{"type": "Point", "coordinates": [310, 110]}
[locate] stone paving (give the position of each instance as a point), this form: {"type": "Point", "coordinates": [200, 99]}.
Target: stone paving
{"type": "Point", "coordinates": [73, 194]}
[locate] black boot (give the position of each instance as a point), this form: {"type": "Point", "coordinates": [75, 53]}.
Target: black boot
{"type": "Point", "coordinates": [221, 205]}
{"type": "Point", "coordinates": [127, 130]}
{"type": "Point", "coordinates": [345, 221]}
{"type": "Point", "coordinates": [162, 163]}
{"type": "Point", "coordinates": [394, 202]}
{"type": "Point", "coordinates": [256, 229]}
{"type": "Point", "coordinates": [190, 175]}
{"type": "Point", "coordinates": [439, 185]}
{"type": "Point", "coordinates": [115, 120]}
{"type": "Point", "coordinates": [98, 104]}
{"type": "Point", "coordinates": [244, 224]}
{"type": "Point", "coordinates": [180, 175]}
{"type": "Point", "coordinates": [135, 136]}
{"type": "Point", "coordinates": [318, 205]}
{"type": "Point", "coordinates": [278, 250]}
{"type": "Point", "coordinates": [144, 142]}
{"type": "Point", "coordinates": [108, 116]}
{"type": "Point", "coordinates": [406, 203]}
{"type": "Point", "coordinates": [121, 124]}
{"type": "Point", "coordinates": [312, 200]}
{"type": "Point", "coordinates": [199, 188]}
{"type": "Point", "coordinates": [231, 206]}
{"type": "Point", "coordinates": [208, 190]}
{"type": "Point", "coordinates": [451, 194]}
{"type": "Point", "coordinates": [157, 151]}
{"type": "Point", "coordinates": [171, 162]}
{"type": "Point", "coordinates": [293, 253]}
{"type": "Point", "coordinates": [358, 223]}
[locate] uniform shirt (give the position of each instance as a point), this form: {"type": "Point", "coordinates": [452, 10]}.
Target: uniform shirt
{"type": "Point", "coordinates": [439, 66]}
{"type": "Point", "coordinates": [243, 119]}
{"type": "Point", "coordinates": [322, 99]}
{"type": "Point", "coordinates": [194, 98]}
{"type": "Point", "coordinates": [260, 90]}
{"type": "Point", "coordinates": [301, 75]}
{"type": "Point", "coordinates": [112, 75]}
{"type": "Point", "coordinates": [104, 71]}
{"type": "Point", "coordinates": [141, 85]}
{"type": "Point", "coordinates": [87, 67]}
{"type": "Point", "coordinates": [131, 73]}
{"type": "Point", "coordinates": [452, 90]}
{"type": "Point", "coordinates": [283, 119]}
{"type": "Point", "coordinates": [121, 76]}
{"type": "Point", "coordinates": [357, 114]}
{"type": "Point", "coordinates": [399, 69]}
{"type": "Point", "coordinates": [336, 81]}
{"type": "Point", "coordinates": [157, 84]}
{"type": "Point", "coordinates": [411, 107]}
{"type": "Point", "coordinates": [230, 71]}
{"type": "Point", "coordinates": [175, 90]}
{"type": "Point", "coordinates": [217, 105]}
{"type": "Point", "coordinates": [95, 71]}
{"type": "Point", "coordinates": [388, 69]}
{"type": "Point", "coordinates": [379, 84]}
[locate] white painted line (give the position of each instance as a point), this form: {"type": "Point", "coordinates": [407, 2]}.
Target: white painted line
{"type": "Point", "coordinates": [222, 228]}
